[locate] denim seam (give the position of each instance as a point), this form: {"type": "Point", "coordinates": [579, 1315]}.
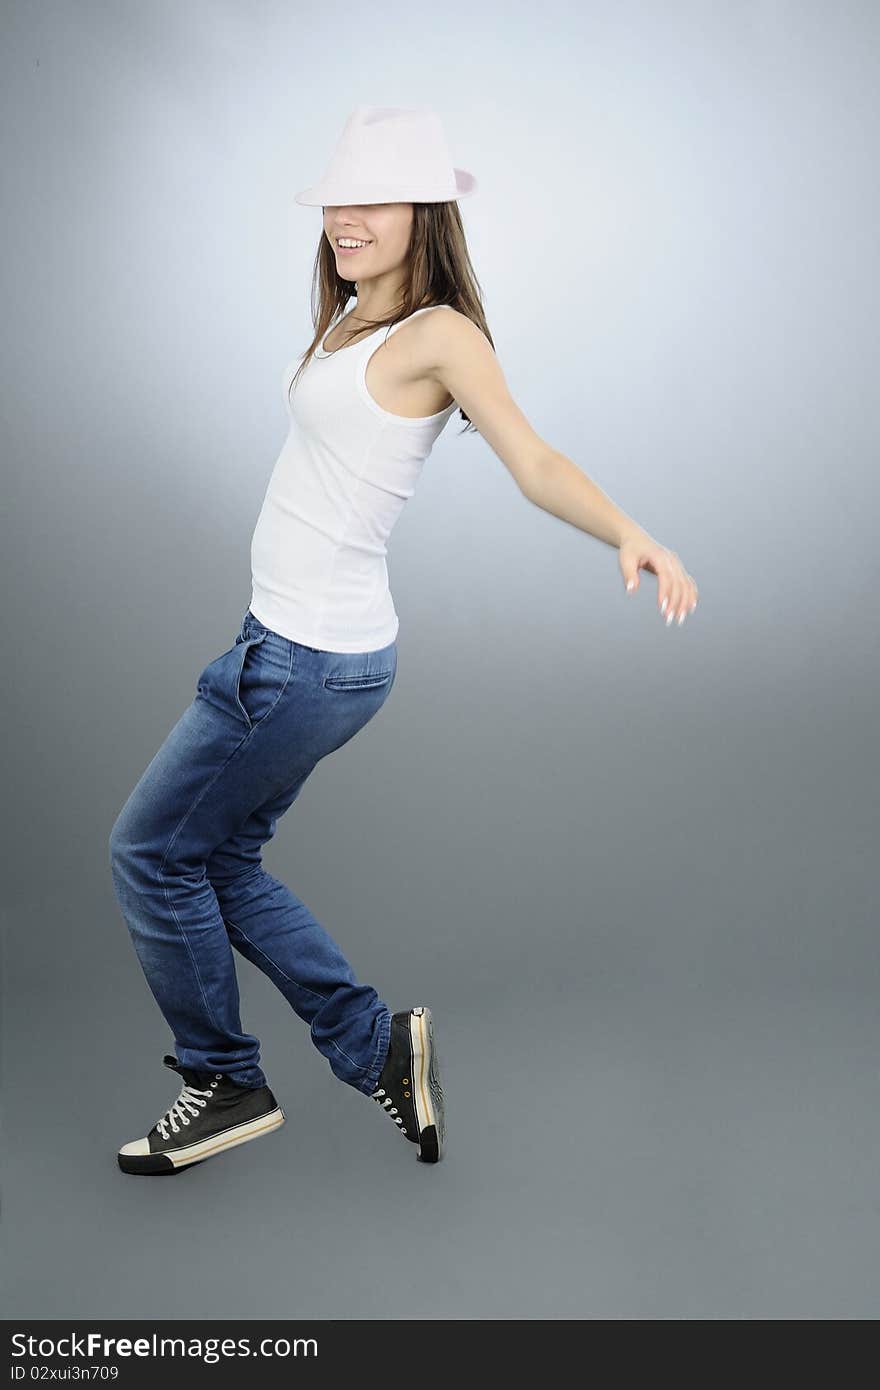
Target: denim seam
{"type": "Point", "coordinates": [161, 878]}
{"type": "Point", "coordinates": [355, 1064]}
{"type": "Point", "coordinates": [273, 963]}
{"type": "Point", "coordinates": [378, 1057]}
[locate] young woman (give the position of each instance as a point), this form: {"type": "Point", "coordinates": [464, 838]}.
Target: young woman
{"type": "Point", "coordinates": [316, 655]}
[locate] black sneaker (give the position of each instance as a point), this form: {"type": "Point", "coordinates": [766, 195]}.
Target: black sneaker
{"type": "Point", "coordinates": [211, 1114]}
{"type": "Point", "coordinates": [409, 1088]}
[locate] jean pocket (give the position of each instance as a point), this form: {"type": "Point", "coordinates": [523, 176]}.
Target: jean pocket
{"type": "Point", "coordinates": [365, 680]}
{"type": "Point", "coordinates": [245, 682]}
{"type": "Point", "coordinates": [262, 674]}
{"type": "Point", "coordinates": [247, 688]}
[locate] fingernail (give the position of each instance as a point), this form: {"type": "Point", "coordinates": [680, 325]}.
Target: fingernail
{"type": "Point", "coordinates": [631, 584]}
{"type": "Point", "coordinates": [681, 618]}
{"type": "Point", "coordinates": [669, 619]}
{"type": "Point", "coordinates": [663, 606]}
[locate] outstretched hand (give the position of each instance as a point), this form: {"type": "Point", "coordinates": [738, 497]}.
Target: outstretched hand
{"type": "Point", "coordinates": [676, 589]}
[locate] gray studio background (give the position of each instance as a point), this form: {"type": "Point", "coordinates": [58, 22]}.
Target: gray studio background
{"type": "Point", "coordinates": [632, 869]}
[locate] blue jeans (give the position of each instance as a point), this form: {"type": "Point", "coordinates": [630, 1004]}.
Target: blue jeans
{"type": "Point", "coordinates": [185, 855]}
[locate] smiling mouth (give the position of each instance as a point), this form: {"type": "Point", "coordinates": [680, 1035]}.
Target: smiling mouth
{"type": "Point", "coordinates": [351, 248]}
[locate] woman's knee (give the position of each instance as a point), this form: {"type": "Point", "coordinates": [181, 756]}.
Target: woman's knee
{"type": "Point", "coordinates": [127, 844]}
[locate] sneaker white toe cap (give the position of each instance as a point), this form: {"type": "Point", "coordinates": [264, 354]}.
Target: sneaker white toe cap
{"type": "Point", "coordinates": [137, 1146]}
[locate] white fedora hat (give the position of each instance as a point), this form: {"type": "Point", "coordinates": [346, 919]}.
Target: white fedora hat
{"type": "Point", "coordinates": [390, 154]}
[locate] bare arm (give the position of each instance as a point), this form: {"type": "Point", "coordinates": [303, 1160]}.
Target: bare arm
{"type": "Point", "coordinates": [558, 486]}
{"type": "Point", "coordinates": [456, 353]}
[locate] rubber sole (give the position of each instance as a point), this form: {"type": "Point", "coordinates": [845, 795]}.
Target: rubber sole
{"type": "Point", "coordinates": [427, 1091]}
{"type": "Point", "coordinates": [178, 1160]}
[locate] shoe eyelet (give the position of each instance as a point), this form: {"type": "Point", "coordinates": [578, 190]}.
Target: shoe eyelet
{"type": "Point", "coordinates": [213, 1083]}
{"type": "Point", "coordinates": [186, 1122]}
{"type": "Point", "coordinates": [218, 1074]}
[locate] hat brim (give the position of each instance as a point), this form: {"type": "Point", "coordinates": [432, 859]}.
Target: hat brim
{"type": "Point", "coordinates": [326, 196]}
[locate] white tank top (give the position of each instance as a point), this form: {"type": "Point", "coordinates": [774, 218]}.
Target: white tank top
{"type": "Point", "coordinates": [345, 471]}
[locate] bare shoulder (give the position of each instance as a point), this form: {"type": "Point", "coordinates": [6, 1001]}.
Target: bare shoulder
{"type": "Point", "coordinates": [456, 353]}
{"type": "Point", "coordinates": [451, 332]}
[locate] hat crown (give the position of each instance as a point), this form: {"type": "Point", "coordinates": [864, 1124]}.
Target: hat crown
{"type": "Point", "coordinates": [390, 154]}
{"type": "Point", "coordinates": [384, 139]}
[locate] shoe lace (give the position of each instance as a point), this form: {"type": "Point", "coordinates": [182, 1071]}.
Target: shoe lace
{"type": "Point", "coordinates": [382, 1098]}
{"type": "Point", "coordinates": [187, 1100]}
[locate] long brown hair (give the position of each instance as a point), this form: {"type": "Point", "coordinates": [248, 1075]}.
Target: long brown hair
{"type": "Point", "coordinates": [440, 272]}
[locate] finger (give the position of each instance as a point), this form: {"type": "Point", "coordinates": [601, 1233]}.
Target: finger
{"type": "Point", "coordinates": [681, 600]}
{"type": "Point", "coordinates": [674, 605]}
{"type": "Point", "coordinates": [676, 608]}
{"type": "Point", "coordinates": [665, 588]}
{"type": "Point", "coordinates": [630, 570]}
{"type": "Point", "coordinates": [689, 599]}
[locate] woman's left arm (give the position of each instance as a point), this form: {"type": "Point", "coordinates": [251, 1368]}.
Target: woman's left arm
{"type": "Point", "coordinates": [454, 352]}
